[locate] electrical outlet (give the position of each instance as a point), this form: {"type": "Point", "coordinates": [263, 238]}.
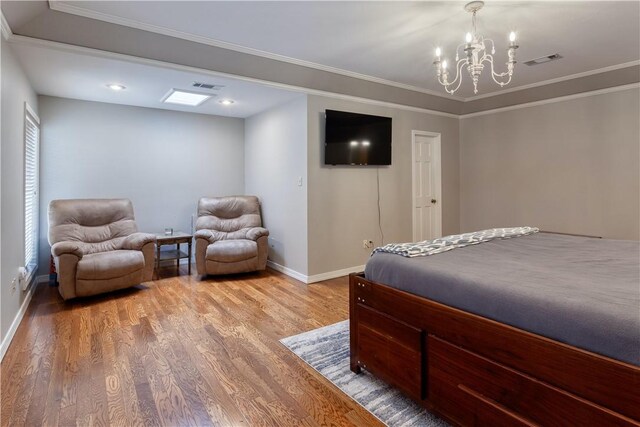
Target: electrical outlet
{"type": "Point", "coordinates": [13, 285]}
{"type": "Point", "coordinates": [22, 277]}
{"type": "Point", "coordinates": [367, 244]}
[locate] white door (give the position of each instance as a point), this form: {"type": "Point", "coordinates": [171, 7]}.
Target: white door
{"type": "Point", "coordinates": [427, 212]}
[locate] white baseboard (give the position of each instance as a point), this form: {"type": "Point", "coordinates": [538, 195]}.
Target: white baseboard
{"type": "Point", "coordinates": [289, 272]}
{"type": "Point", "coordinates": [316, 277]}
{"type": "Point", "coordinates": [16, 321]}
{"type": "Point", "coordinates": [333, 274]}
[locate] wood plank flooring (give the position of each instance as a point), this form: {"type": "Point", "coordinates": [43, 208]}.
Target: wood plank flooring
{"type": "Point", "coordinates": [176, 351]}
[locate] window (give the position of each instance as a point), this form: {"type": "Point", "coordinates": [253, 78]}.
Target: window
{"type": "Point", "coordinates": [31, 190]}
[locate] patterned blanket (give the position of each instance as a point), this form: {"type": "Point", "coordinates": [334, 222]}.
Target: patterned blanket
{"type": "Point", "coordinates": [444, 244]}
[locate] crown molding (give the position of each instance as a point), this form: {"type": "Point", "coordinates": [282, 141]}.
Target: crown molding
{"type": "Point", "coordinates": [553, 100]}
{"type": "Point", "coordinates": [86, 13]}
{"type": "Point", "coordinates": [556, 80]}
{"type": "Point", "coordinates": [60, 6]}
{"type": "Point", "coordinates": [30, 41]}
{"type": "Point", "coordinates": [6, 30]}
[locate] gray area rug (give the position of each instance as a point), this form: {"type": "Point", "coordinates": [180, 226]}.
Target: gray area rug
{"type": "Point", "coordinates": [327, 351]}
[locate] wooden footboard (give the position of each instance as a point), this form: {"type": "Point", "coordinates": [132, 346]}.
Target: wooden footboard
{"type": "Point", "coordinates": [472, 370]}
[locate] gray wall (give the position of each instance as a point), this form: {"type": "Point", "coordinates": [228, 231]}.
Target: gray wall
{"type": "Point", "coordinates": [604, 80]}
{"type": "Point", "coordinates": [275, 158]}
{"type": "Point", "coordinates": [570, 166]}
{"type": "Point", "coordinates": [71, 29]}
{"type": "Point", "coordinates": [343, 199]}
{"type": "Point", "coordinates": [81, 31]}
{"type": "Point", "coordinates": [16, 90]}
{"type": "Point", "coordinates": [164, 161]}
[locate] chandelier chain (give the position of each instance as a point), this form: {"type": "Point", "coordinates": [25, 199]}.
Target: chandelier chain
{"type": "Point", "coordinates": [473, 22]}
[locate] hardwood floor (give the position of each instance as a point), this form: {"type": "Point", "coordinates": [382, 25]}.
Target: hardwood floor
{"type": "Point", "coordinates": [176, 351]}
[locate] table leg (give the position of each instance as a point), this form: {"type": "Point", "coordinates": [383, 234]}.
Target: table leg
{"type": "Point", "coordinates": [178, 260]}
{"type": "Point", "coordinates": [189, 268]}
{"type": "Point", "coordinates": [158, 260]}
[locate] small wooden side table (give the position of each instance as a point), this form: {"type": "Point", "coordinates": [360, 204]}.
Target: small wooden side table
{"type": "Point", "coordinates": [176, 238]}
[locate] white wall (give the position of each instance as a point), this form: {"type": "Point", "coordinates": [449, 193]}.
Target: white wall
{"type": "Point", "coordinates": [16, 90]}
{"type": "Point", "coordinates": [164, 161]}
{"type": "Point", "coordinates": [570, 166]}
{"type": "Point", "coordinates": [275, 159]}
{"type": "Point", "coordinates": [343, 199]}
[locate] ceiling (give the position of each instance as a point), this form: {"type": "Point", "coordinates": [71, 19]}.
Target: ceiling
{"type": "Point", "coordinates": [394, 41]}
{"type": "Point", "coordinates": [70, 74]}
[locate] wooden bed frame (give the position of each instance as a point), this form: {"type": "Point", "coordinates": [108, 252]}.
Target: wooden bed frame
{"type": "Point", "coordinates": [475, 371]}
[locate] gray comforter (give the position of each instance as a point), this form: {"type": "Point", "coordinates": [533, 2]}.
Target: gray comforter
{"type": "Point", "coordinates": [581, 291]}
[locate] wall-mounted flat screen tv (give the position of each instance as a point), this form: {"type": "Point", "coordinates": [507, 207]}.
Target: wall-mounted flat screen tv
{"type": "Point", "coordinates": [356, 139]}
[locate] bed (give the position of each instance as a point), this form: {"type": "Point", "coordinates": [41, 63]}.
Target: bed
{"type": "Point", "coordinates": [541, 329]}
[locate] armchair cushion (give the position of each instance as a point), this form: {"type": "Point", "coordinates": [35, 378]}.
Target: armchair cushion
{"type": "Point", "coordinates": [232, 250]}
{"type": "Point", "coordinates": [252, 233]}
{"type": "Point", "coordinates": [82, 248]}
{"type": "Point", "coordinates": [228, 214]}
{"type": "Point", "coordinates": [90, 220]}
{"type": "Point", "coordinates": [109, 265]}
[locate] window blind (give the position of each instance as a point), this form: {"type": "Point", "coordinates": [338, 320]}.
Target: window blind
{"type": "Point", "coordinates": [31, 192]}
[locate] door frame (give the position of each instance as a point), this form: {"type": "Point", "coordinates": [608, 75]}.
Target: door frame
{"type": "Point", "coordinates": [437, 175]}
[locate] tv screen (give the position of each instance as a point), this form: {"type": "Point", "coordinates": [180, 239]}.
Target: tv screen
{"type": "Point", "coordinates": [356, 139]}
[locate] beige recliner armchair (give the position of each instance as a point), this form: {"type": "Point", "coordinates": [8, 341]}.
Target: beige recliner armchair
{"type": "Point", "coordinates": [229, 235]}
{"type": "Point", "coordinates": [96, 246]}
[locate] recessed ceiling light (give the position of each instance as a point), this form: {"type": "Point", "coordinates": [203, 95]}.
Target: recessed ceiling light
{"type": "Point", "coordinates": [226, 101]}
{"type": "Point", "coordinates": [183, 97]}
{"type": "Point", "coordinates": [117, 87]}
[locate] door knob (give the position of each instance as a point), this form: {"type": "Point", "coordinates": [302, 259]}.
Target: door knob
{"type": "Point", "coordinates": [433, 201]}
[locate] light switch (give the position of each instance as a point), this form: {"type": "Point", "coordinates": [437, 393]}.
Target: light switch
{"type": "Point", "coordinates": [299, 181]}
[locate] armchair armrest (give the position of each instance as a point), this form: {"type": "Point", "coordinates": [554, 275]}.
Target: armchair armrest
{"type": "Point", "coordinates": [256, 232]}
{"type": "Point", "coordinates": [136, 241]}
{"type": "Point", "coordinates": [66, 247]}
{"type": "Point", "coordinates": [208, 235]}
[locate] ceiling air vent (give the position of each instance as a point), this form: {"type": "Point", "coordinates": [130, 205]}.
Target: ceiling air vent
{"type": "Point", "coordinates": [207, 86]}
{"type": "Point", "coordinates": [543, 59]}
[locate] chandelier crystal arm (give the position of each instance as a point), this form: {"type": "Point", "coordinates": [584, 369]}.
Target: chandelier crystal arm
{"type": "Point", "coordinates": [489, 59]}
{"type": "Point", "coordinates": [495, 76]}
{"type": "Point", "coordinates": [458, 78]}
{"type": "Point", "coordinates": [473, 54]}
{"type": "Point", "coordinates": [493, 45]}
{"type": "Point", "coordinates": [445, 82]}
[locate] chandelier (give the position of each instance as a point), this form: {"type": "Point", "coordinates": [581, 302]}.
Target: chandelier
{"type": "Point", "coordinates": [474, 52]}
